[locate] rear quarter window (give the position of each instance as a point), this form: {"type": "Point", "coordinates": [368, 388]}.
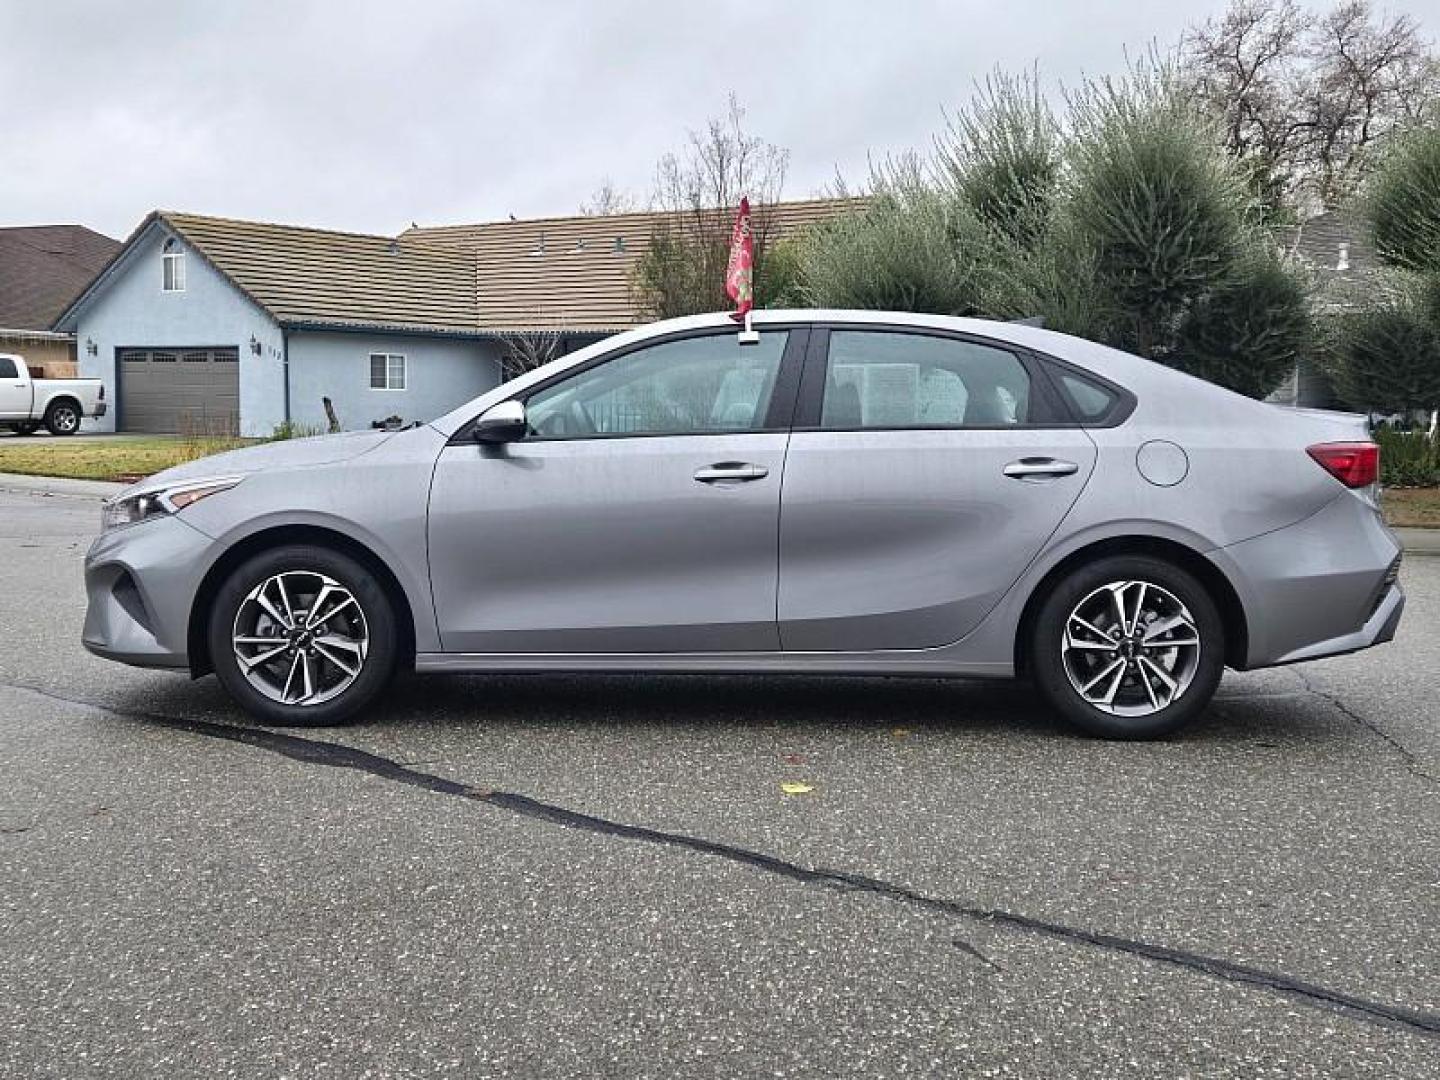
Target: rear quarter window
{"type": "Point", "coordinates": [1092, 402]}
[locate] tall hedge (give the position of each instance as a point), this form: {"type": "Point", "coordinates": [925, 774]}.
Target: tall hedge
{"type": "Point", "coordinates": [1001, 155]}
{"type": "Point", "coordinates": [1402, 202]}
{"type": "Point", "coordinates": [1248, 331]}
{"type": "Point", "coordinates": [1386, 357]}
{"type": "Point", "coordinates": [1156, 200]}
{"type": "Point", "coordinates": [1126, 224]}
{"type": "Point", "coordinates": [911, 249]}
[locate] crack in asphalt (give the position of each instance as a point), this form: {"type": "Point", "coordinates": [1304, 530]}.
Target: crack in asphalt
{"type": "Point", "coordinates": [342, 756]}
{"type": "Point", "coordinates": [1413, 764]}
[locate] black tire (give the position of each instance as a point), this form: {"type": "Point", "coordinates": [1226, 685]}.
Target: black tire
{"type": "Point", "coordinates": [302, 562]}
{"type": "Point", "coordinates": [62, 418]}
{"type": "Point", "coordinates": [1047, 650]}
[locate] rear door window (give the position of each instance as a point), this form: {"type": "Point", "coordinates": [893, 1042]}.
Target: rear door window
{"type": "Point", "coordinates": [884, 379]}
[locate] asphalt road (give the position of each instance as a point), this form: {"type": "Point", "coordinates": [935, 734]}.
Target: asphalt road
{"type": "Point", "coordinates": [601, 876]}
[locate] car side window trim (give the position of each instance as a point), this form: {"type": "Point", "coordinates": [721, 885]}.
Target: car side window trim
{"type": "Point", "coordinates": [1048, 409]}
{"type": "Point", "coordinates": [778, 414]}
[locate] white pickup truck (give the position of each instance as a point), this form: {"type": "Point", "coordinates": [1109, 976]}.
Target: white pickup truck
{"type": "Point", "coordinates": [59, 404]}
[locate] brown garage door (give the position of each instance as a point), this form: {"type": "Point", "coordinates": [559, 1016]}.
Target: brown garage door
{"type": "Point", "coordinates": [185, 391]}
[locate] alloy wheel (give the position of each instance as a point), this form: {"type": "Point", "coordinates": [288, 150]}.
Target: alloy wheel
{"type": "Point", "coordinates": [65, 419]}
{"type": "Point", "coordinates": [1130, 648]}
{"type": "Point", "coordinates": [300, 638]}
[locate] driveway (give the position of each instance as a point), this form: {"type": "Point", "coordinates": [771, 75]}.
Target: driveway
{"type": "Point", "coordinates": [602, 876]}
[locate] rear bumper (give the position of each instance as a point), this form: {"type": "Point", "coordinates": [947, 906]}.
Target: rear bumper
{"type": "Point", "coordinates": [1378, 630]}
{"type": "Point", "coordinates": [1321, 587]}
{"type": "Point", "coordinates": [100, 407]}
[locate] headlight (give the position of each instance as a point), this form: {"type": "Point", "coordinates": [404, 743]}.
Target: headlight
{"type": "Point", "coordinates": [142, 505]}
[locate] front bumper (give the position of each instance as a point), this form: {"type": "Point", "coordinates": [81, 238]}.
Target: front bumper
{"type": "Point", "coordinates": [140, 582]}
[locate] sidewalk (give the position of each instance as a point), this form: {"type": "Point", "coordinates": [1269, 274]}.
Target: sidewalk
{"type": "Point", "coordinates": [1419, 541]}
{"type": "Point", "coordinates": [1415, 541]}
{"type": "Point", "coordinates": [54, 485]}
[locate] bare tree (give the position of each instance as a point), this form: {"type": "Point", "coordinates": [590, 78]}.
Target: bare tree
{"type": "Point", "coordinates": [1248, 66]}
{"type": "Point", "coordinates": [1369, 77]}
{"type": "Point", "coordinates": [548, 339]}
{"type": "Point", "coordinates": [1303, 98]}
{"type": "Point", "coordinates": [608, 200]}
{"type": "Point", "coordinates": [697, 190]}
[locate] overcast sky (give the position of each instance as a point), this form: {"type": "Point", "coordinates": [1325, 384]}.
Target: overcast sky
{"type": "Point", "coordinates": [367, 116]}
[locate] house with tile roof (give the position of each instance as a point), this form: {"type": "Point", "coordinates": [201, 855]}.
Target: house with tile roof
{"type": "Point", "coordinates": [42, 269]}
{"type": "Point", "coordinates": [213, 325]}
{"type": "Point", "coordinates": [1336, 248]}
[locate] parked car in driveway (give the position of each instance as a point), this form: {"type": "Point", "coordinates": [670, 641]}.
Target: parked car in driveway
{"type": "Point", "coordinates": [856, 492]}
{"type": "Point", "coordinates": [59, 404]}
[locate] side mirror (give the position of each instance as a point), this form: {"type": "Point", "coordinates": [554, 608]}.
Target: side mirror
{"type": "Point", "coordinates": [502, 423]}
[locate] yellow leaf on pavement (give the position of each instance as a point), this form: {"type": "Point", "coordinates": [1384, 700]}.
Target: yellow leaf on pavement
{"type": "Point", "coordinates": [794, 787]}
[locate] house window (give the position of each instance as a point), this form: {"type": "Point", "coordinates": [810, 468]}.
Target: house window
{"type": "Point", "coordinates": [387, 371]}
{"type": "Point", "coordinates": [172, 267]}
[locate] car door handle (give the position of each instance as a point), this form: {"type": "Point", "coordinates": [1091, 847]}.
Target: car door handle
{"type": "Point", "coordinates": [737, 472]}
{"type": "Point", "coordinates": [1034, 468]}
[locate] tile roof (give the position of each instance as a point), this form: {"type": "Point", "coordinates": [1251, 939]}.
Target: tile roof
{"type": "Point", "coordinates": [303, 275]}
{"type": "Point", "coordinates": [544, 273]}
{"type": "Point", "coordinates": [574, 272]}
{"type": "Point", "coordinates": [43, 268]}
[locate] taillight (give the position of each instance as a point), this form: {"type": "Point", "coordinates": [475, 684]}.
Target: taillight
{"type": "Point", "coordinates": [1354, 464]}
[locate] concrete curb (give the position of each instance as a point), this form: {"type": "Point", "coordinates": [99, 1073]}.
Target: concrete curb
{"type": "Point", "coordinates": [1415, 541]}
{"type": "Point", "coordinates": [55, 485]}
{"type": "Point", "coordinates": [1419, 541]}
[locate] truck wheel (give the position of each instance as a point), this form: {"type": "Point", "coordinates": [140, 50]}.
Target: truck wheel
{"type": "Point", "coordinates": [62, 418]}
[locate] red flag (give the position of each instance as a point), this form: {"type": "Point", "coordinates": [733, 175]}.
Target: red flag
{"type": "Point", "coordinates": [740, 273]}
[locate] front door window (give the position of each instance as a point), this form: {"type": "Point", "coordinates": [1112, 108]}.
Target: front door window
{"type": "Point", "coordinates": [692, 386]}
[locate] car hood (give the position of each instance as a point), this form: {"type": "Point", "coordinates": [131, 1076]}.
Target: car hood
{"type": "Point", "coordinates": [282, 454]}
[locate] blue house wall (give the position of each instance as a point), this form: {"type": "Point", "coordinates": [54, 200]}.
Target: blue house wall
{"type": "Point", "coordinates": [132, 311]}
{"type": "Point", "coordinates": [440, 374]}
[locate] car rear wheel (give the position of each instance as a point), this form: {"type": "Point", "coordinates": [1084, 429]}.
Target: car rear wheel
{"type": "Point", "coordinates": [303, 636]}
{"type": "Point", "coordinates": [62, 418]}
{"type": "Point", "coordinates": [1128, 647]}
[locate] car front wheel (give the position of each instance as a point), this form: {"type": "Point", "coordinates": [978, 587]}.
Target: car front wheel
{"type": "Point", "coordinates": [303, 636]}
{"type": "Point", "coordinates": [1128, 647]}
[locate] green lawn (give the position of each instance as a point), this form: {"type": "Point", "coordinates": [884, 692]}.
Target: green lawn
{"type": "Point", "coordinates": [99, 458]}
{"type": "Point", "coordinates": [1412, 506]}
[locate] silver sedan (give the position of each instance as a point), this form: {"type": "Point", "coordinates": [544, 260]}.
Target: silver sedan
{"type": "Point", "coordinates": [852, 493]}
